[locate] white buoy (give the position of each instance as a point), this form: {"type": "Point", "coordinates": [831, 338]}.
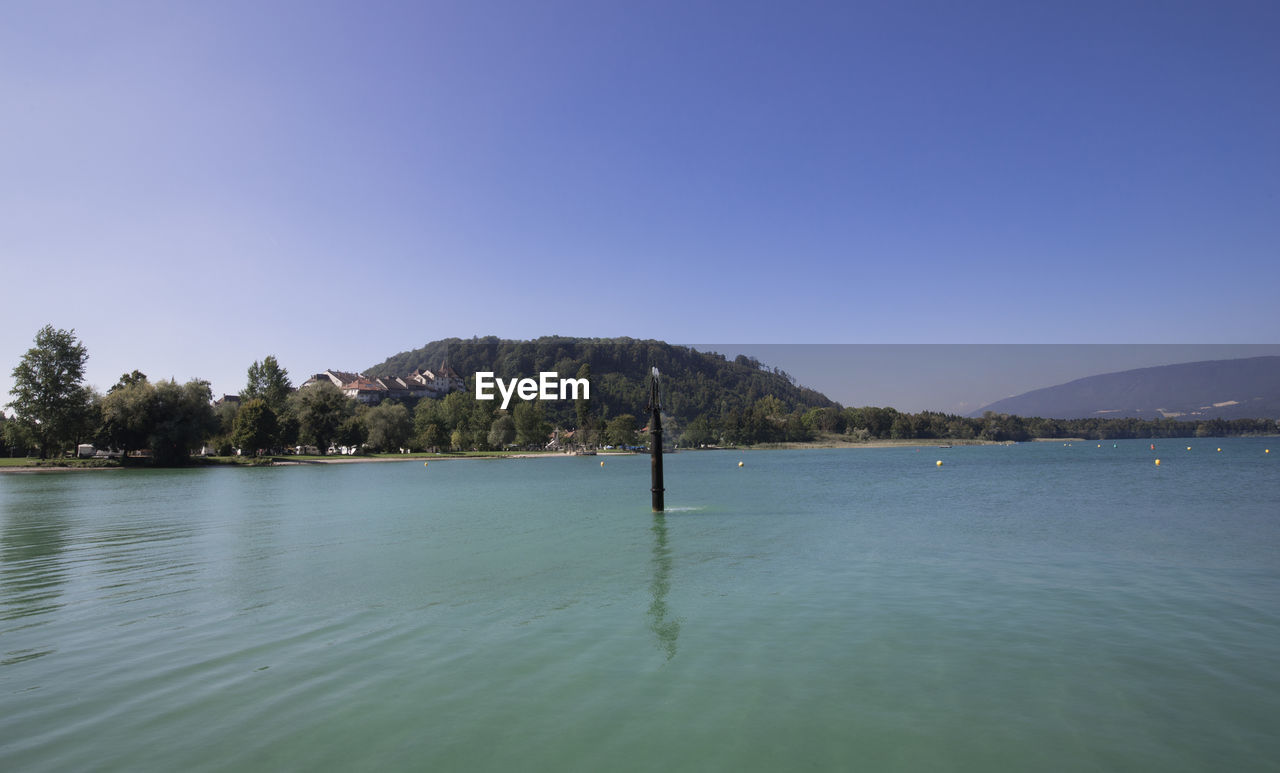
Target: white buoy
{"type": "Point", "coordinates": [739, 464]}
{"type": "Point", "coordinates": [939, 462]}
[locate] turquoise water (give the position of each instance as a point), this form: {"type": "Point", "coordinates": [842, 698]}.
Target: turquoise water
{"type": "Point", "coordinates": [1019, 608]}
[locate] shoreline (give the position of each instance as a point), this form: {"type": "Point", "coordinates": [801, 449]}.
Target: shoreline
{"type": "Point", "coordinates": [52, 468]}
{"type": "Point", "coordinates": [280, 461]}
{"type": "Point", "coordinates": [815, 445]}
{"type": "Point", "coordinates": [286, 462]}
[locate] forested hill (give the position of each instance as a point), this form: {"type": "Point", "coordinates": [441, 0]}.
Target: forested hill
{"type": "Point", "coordinates": [693, 383]}
{"type": "Point", "coordinates": [1247, 388]}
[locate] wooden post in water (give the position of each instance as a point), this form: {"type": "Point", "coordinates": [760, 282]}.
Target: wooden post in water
{"type": "Point", "coordinates": [655, 451]}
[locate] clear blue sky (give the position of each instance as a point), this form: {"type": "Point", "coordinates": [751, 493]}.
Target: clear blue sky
{"type": "Point", "coordinates": [193, 186]}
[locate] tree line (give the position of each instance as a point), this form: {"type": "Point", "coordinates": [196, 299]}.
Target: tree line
{"type": "Point", "coordinates": [873, 423]}
{"type": "Point", "coordinates": [55, 411]}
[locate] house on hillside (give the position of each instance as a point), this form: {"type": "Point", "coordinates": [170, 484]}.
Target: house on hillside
{"type": "Point", "coordinates": [440, 382]}
{"type": "Point", "coordinates": [365, 391]}
{"type": "Point", "coordinates": [339, 378]}
{"type": "Point", "coordinates": [419, 384]}
{"type": "Point", "coordinates": [453, 382]}
{"type": "Point", "coordinates": [400, 389]}
{"type": "Point", "coordinates": [426, 381]}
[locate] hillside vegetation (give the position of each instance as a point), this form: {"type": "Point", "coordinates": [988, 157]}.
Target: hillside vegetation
{"type": "Point", "coordinates": [695, 385]}
{"type": "Point", "coordinates": [709, 399]}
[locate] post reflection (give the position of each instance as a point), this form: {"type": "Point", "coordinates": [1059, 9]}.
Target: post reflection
{"type": "Point", "coordinates": [667, 629]}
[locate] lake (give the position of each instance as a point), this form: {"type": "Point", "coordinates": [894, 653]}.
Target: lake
{"type": "Point", "coordinates": [1031, 607]}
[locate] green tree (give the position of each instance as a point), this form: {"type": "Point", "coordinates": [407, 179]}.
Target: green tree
{"type": "Point", "coordinates": [879, 421]}
{"type": "Point", "coordinates": [128, 379]}
{"type": "Point", "coordinates": [268, 382]}
{"type": "Point", "coordinates": [49, 395]}
{"type": "Point", "coordinates": [18, 438]}
{"type": "Point", "coordinates": [168, 418]}
{"type": "Point", "coordinates": [794, 430]}
{"type": "Point", "coordinates": [320, 409]}
{"type": "Point", "coordinates": [86, 417]}
{"type": "Point", "coordinates": [287, 427]}
{"type": "Point", "coordinates": [389, 426]}
{"type": "Point", "coordinates": [770, 407]}
{"type": "Point", "coordinates": [502, 432]}
{"type": "Point", "coordinates": [351, 432]}
{"type": "Point", "coordinates": [428, 425]}
{"type": "Point", "coordinates": [226, 413]}
{"type": "Point", "coordinates": [823, 420]}
{"type": "Point", "coordinates": [255, 427]}
{"type": "Point", "coordinates": [993, 426]}
{"type": "Point", "coordinates": [757, 427]}
{"type": "Point", "coordinates": [479, 422]}
{"type": "Point", "coordinates": [182, 419]}
{"type": "Point", "coordinates": [531, 428]}
{"type": "Point", "coordinates": [582, 406]}
{"type": "Point", "coordinates": [621, 430]}
{"type": "Point", "coordinates": [431, 436]}
{"type": "Point", "coordinates": [697, 433]}
{"type": "Point", "coordinates": [671, 430]}
{"type": "Point", "coordinates": [126, 414]}
{"type": "Point", "coordinates": [455, 409]}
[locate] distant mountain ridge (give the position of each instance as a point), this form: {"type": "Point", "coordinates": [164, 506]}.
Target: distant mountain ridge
{"type": "Point", "coordinates": [1247, 388]}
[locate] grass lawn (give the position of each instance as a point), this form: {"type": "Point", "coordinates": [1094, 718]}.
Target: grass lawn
{"type": "Point", "coordinates": [31, 461]}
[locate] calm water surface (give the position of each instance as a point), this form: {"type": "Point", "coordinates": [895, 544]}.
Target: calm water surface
{"type": "Point", "coordinates": [1036, 607]}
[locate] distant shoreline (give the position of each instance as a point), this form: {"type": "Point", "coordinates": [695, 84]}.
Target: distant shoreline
{"type": "Point", "coordinates": [880, 443]}
{"type": "Point", "coordinates": [282, 461]}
